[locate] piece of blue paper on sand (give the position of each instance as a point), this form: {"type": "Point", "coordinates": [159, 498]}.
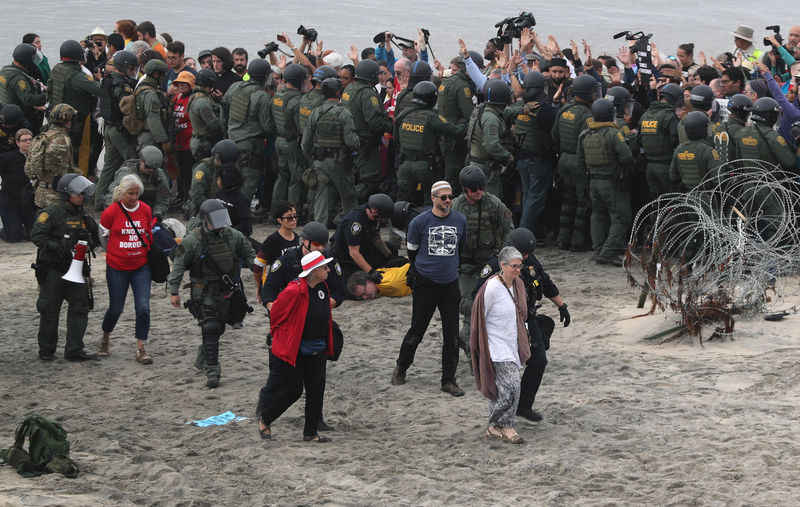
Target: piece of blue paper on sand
{"type": "Point", "coordinates": [218, 420]}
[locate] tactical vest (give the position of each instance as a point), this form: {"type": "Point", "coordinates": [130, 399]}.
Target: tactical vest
{"type": "Point", "coordinates": [35, 163]}
{"type": "Point", "coordinates": [475, 132]}
{"type": "Point", "coordinates": [687, 158]}
{"type": "Point", "coordinates": [448, 99]}
{"type": "Point", "coordinates": [403, 100]}
{"type": "Point", "coordinates": [536, 139]}
{"type": "Point", "coordinates": [484, 226]}
{"type": "Point", "coordinates": [654, 131]}
{"type": "Point", "coordinates": [352, 99]}
{"type": "Point", "coordinates": [308, 103]}
{"type": "Point", "coordinates": [218, 248]}
{"type": "Point", "coordinates": [7, 75]}
{"type": "Point", "coordinates": [199, 127]}
{"type": "Point", "coordinates": [151, 186]}
{"type": "Point", "coordinates": [328, 127]}
{"type": "Point", "coordinates": [59, 86]}
{"type": "Point", "coordinates": [752, 144]}
{"type": "Point", "coordinates": [240, 101]}
{"type": "Point", "coordinates": [114, 88]}
{"type": "Point", "coordinates": [416, 135]}
{"type": "Point", "coordinates": [594, 147]}
{"type": "Point", "coordinates": [571, 122]}
{"type": "Point", "coordinates": [141, 89]}
{"type": "Point", "coordinates": [281, 102]}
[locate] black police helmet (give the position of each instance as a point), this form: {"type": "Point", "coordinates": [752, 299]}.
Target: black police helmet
{"type": "Point", "coordinates": [367, 70]}
{"type": "Point", "coordinates": [425, 94]}
{"type": "Point", "coordinates": [533, 79]}
{"type": "Point", "coordinates": [585, 87]}
{"type": "Point", "coordinates": [522, 239]}
{"type": "Point", "coordinates": [316, 232]}
{"type": "Point", "coordinates": [259, 69]}
{"type": "Point", "coordinates": [322, 73]}
{"type": "Point", "coordinates": [382, 203]}
{"type": "Point", "coordinates": [672, 93]}
{"type": "Point", "coordinates": [497, 91]}
{"type": "Point", "coordinates": [472, 177]}
{"type": "Point", "coordinates": [701, 97]}
{"type": "Point", "coordinates": [226, 150]}
{"type": "Point", "coordinates": [603, 110]}
{"type": "Point", "coordinates": [11, 114]}
{"type": "Point", "coordinates": [766, 110]}
{"type": "Point", "coordinates": [696, 124]}
{"type": "Point", "coordinates": [24, 53]}
{"type": "Point", "coordinates": [420, 71]}
{"type": "Point", "coordinates": [206, 77]}
{"type": "Point", "coordinates": [123, 60]}
{"type": "Point", "coordinates": [620, 96]}
{"type": "Point", "coordinates": [400, 213]}
{"type": "Point", "coordinates": [331, 86]}
{"type": "Point", "coordinates": [214, 214]}
{"type": "Point", "coordinates": [71, 51]}
{"type": "Point", "coordinates": [739, 105]}
{"type": "Point", "coordinates": [295, 74]}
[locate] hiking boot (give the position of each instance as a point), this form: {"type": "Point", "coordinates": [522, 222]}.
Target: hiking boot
{"type": "Point", "coordinates": [103, 349]}
{"type": "Point", "coordinates": [453, 389]}
{"type": "Point", "coordinates": [213, 373]}
{"type": "Point", "coordinates": [143, 357]}
{"type": "Point", "coordinates": [398, 376]}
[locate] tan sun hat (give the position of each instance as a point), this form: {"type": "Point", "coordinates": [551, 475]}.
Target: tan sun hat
{"type": "Point", "coordinates": [743, 32]}
{"type": "Point", "coordinates": [98, 31]}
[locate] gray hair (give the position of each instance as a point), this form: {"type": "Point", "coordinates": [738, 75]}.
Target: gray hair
{"type": "Point", "coordinates": [138, 47]}
{"type": "Point", "coordinates": [507, 254]}
{"type": "Point", "coordinates": [127, 181]}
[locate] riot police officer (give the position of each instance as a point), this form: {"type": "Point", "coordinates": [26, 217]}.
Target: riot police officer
{"type": "Point", "coordinates": [488, 224]}
{"type": "Point", "coordinates": [487, 132]}
{"type": "Point", "coordinates": [694, 158]}
{"type": "Point", "coordinates": [57, 159]}
{"type": "Point", "coordinates": [623, 105]}
{"type": "Point", "coordinates": [285, 114]}
{"type": "Point", "coordinates": [20, 84]}
{"type": "Point", "coordinates": [534, 117]}
{"type": "Point", "coordinates": [120, 144]}
{"type": "Point", "coordinates": [701, 98]}
{"type": "Point", "coordinates": [419, 72]}
{"type": "Point", "coordinates": [357, 243]}
{"type": "Point", "coordinates": [537, 284]}
{"type": "Point", "coordinates": [148, 167]}
{"type": "Point", "coordinates": [204, 179]}
{"type": "Point", "coordinates": [204, 115]}
{"type": "Point", "coordinates": [152, 108]}
{"type": "Point", "coordinates": [315, 97]}
{"type": "Point", "coordinates": [329, 140]}
{"type": "Point", "coordinates": [370, 122]}
{"type": "Point", "coordinates": [56, 233]}
{"type": "Point", "coordinates": [604, 152]}
{"type": "Point", "coordinates": [759, 141]}
{"type": "Point", "coordinates": [725, 133]}
{"type": "Point", "coordinates": [570, 122]}
{"type": "Point", "coordinates": [213, 253]}
{"type": "Point", "coordinates": [246, 115]}
{"type": "Point", "coordinates": [416, 132]}
{"type": "Point", "coordinates": [658, 136]}
{"type": "Point", "coordinates": [455, 104]}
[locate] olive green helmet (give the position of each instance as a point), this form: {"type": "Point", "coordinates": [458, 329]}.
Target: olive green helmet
{"type": "Point", "coordinates": [151, 156]}
{"type": "Point", "coordinates": [155, 65]}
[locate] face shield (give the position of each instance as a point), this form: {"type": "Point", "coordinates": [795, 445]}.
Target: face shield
{"type": "Point", "coordinates": [217, 219]}
{"type": "Point", "coordinates": [80, 185]}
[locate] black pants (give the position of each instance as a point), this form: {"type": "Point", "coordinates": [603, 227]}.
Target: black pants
{"type": "Point", "coordinates": [285, 386]}
{"type": "Point", "coordinates": [534, 367]}
{"type": "Point", "coordinates": [185, 161]}
{"type": "Point", "coordinates": [427, 297]}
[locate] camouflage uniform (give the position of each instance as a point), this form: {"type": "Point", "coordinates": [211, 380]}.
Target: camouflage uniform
{"type": "Point", "coordinates": [57, 161]}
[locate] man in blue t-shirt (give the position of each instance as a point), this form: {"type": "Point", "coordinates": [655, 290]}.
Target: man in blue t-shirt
{"type": "Point", "coordinates": [435, 238]}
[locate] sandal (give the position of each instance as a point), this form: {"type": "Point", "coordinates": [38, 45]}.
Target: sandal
{"type": "Point", "coordinates": [494, 432]}
{"type": "Point", "coordinates": [103, 350]}
{"type": "Point", "coordinates": [511, 436]}
{"type": "Point", "coordinates": [143, 357]}
{"type": "Point", "coordinates": [315, 438]}
{"type": "Point", "coordinates": [265, 434]}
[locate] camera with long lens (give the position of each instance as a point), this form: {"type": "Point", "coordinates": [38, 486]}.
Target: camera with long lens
{"type": "Point", "coordinates": [308, 33]}
{"type": "Point", "coordinates": [641, 48]}
{"type": "Point", "coordinates": [778, 36]}
{"type": "Point", "coordinates": [268, 48]}
{"type": "Point", "coordinates": [512, 27]}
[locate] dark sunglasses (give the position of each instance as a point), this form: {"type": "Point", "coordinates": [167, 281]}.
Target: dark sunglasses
{"type": "Point", "coordinates": [474, 189]}
{"type": "Point", "coordinates": [445, 197]}
{"type": "Point", "coordinates": [290, 217]}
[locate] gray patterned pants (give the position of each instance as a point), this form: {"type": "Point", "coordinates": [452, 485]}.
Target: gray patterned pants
{"type": "Point", "coordinates": [506, 379]}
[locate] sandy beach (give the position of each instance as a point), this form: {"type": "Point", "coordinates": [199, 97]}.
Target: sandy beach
{"type": "Point", "coordinates": [625, 422]}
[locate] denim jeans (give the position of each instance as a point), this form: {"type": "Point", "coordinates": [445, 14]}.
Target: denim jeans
{"type": "Point", "coordinates": [536, 180]}
{"type": "Point", "coordinates": [118, 282]}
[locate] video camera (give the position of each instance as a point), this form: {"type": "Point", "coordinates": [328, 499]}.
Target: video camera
{"type": "Point", "coordinates": [778, 36]}
{"type": "Point", "coordinates": [308, 33]}
{"type": "Point", "coordinates": [88, 43]}
{"type": "Point", "coordinates": [511, 28]}
{"type": "Point", "coordinates": [268, 48]}
{"type": "Point", "coordinates": [641, 48]}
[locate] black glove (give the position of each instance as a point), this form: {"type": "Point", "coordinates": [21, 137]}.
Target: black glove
{"type": "Point", "coordinates": [375, 277]}
{"type": "Point", "coordinates": [64, 254]}
{"type": "Point", "coordinates": [564, 314]}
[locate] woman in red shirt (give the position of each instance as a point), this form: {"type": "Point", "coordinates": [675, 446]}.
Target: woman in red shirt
{"type": "Point", "coordinates": [126, 261]}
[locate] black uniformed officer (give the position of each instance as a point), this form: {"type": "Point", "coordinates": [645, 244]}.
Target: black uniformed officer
{"type": "Point", "coordinates": [357, 243]}
{"type": "Point", "coordinates": [537, 284]}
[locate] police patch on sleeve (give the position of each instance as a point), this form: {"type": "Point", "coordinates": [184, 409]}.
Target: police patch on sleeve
{"type": "Point", "coordinates": [43, 216]}
{"type": "Point", "coordinates": [355, 228]}
{"type": "Point", "coordinates": [467, 92]}
{"type": "Point", "coordinates": [337, 268]}
{"type": "Point", "coordinates": [716, 155]}
{"type": "Point", "coordinates": [374, 101]}
{"type": "Point", "coordinates": [275, 266]}
{"type": "Point", "coordinates": [621, 137]}
{"type": "Point", "coordinates": [22, 85]}
{"type": "Point", "coordinates": [487, 269]}
{"type": "Point", "coordinates": [89, 78]}
{"type": "Point", "coordinates": [198, 175]}
{"type": "Point", "coordinates": [781, 141]}
{"type": "Point", "coordinates": [444, 120]}
{"type": "Point", "coordinates": [441, 88]}
{"type": "Point", "coordinates": [493, 131]}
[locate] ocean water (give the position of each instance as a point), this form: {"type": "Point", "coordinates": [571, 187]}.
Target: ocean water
{"type": "Point", "coordinates": [251, 23]}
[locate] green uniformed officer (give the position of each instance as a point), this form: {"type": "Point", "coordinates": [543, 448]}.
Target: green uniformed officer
{"type": "Point", "coordinates": [624, 107]}
{"type": "Point", "coordinates": [371, 122]}
{"type": "Point", "coordinates": [246, 115]}
{"type": "Point", "coordinates": [658, 136]}
{"type": "Point", "coordinates": [455, 104]}
{"type": "Point", "coordinates": [329, 140]}
{"type": "Point", "coordinates": [570, 122]}
{"type": "Point", "coordinates": [759, 141]}
{"type": "Point", "coordinates": [486, 133]}
{"type": "Point", "coordinates": [285, 114]}
{"type": "Point", "coordinates": [726, 133]}
{"type": "Point", "coordinates": [416, 132]}
{"type": "Point", "coordinates": [204, 116]}
{"type": "Point", "coordinates": [69, 84]}
{"type": "Point", "coordinates": [701, 98]}
{"type": "Point", "coordinates": [204, 179]}
{"type": "Point", "coordinates": [314, 98]}
{"type": "Point", "coordinates": [57, 158]}
{"type": "Point", "coordinates": [152, 108]}
{"type": "Point", "coordinates": [120, 144]}
{"type": "Point", "coordinates": [488, 223]}
{"type": "Point", "coordinates": [695, 158]}
{"type": "Point", "coordinates": [156, 184]}
{"type": "Point", "coordinates": [420, 71]}
{"type": "Point", "coordinates": [56, 233]}
{"type": "Point", "coordinates": [18, 86]}
{"type": "Point", "coordinates": [213, 253]}
{"type": "Point", "coordinates": [604, 152]}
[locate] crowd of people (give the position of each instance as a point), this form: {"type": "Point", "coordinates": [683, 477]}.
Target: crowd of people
{"type": "Point", "coordinates": [564, 145]}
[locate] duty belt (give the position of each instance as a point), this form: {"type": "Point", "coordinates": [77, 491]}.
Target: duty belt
{"type": "Point", "coordinates": [323, 153]}
{"type": "Point", "coordinates": [606, 177]}
{"type": "Point", "coordinates": [479, 160]}
{"type": "Point", "coordinates": [416, 157]}
{"type": "Point", "coordinates": [213, 289]}
{"type": "Point", "coordinates": [289, 138]}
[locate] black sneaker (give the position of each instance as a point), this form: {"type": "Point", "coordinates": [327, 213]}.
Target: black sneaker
{"type": "Point", "coordinates": [81, 356]}
{"type": "Point", "coordinates": [529, 414]}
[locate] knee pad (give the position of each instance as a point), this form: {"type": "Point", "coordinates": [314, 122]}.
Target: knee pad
{"type": "Point", "coordinates": [211, 328]}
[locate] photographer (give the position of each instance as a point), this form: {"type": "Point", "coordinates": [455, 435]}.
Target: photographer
{"type": "Point", "coordinates": [96, 55]}
{"type": "Point", "coordinates": [383, 51]}
{"type": "Point", "coordinates": [771, 58]}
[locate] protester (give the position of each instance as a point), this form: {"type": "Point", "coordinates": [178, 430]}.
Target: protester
{"type": "Point", "coordinates": [277, 243]}
{"type": "Point", "coordinates": [17, 215]}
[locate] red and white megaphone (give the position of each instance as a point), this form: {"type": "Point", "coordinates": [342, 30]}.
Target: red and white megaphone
{"type": "Point", "coordinates": [75, 272]}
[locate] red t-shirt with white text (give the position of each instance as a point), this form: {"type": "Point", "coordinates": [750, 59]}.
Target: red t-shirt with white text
{"type": "Point", "coordinates": [125, 251]}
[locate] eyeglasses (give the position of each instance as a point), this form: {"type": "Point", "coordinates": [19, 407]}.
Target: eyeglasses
{"type": "Point", "coordinates": [25, 140]}
{"type": "Point", "coordinates": [445, 197]}
{"type": "Point", "coordinates": [514, 266]}
{"type": "Point", "coordinates": [474, 189]}
{"type": "Point", "coordinates": [289, 217]}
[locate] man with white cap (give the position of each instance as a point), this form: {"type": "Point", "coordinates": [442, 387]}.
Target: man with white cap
{"type": "Point", "coordinates": [435, 238]}
{"type": "Point", "coordinates": [96, 57]}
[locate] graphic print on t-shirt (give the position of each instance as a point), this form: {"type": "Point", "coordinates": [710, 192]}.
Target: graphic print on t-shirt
{"type": "Point", "coordinates": [442, 240]}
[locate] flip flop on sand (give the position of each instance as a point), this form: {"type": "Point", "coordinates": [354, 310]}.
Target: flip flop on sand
{"type": "Point", "coordinates": [315, 438]}
{"type": "Point", "coordinates": [494, 432]}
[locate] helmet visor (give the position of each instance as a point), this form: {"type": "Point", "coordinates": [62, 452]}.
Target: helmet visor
{"type": "Point", "coordinates": [80, 185]}
{"type": "Point", "coordinates": [217, 219]}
